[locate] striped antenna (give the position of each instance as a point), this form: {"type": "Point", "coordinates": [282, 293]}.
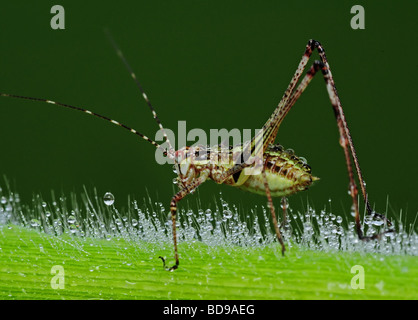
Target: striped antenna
{"type": "Point", "coordinates": [138, 84]}
{"type": "Point", "coordinates": [144, 137]}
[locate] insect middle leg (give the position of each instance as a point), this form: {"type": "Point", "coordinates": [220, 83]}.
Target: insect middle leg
{"type": "Point", "coordinates": [273, 213]}
{"type": "Point", "coordinates": [284, 205]}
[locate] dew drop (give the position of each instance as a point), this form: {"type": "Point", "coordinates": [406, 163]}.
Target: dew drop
{"type": "Point", "coordinates": [353, 211]}
{"type": "Point", "coordinates": [73, 228]}
{"type": "Point", "coordinates": [35, 223]}
{"type": "Point", "coordinates": [303, 160]}
{"type": "Point", "coordinates": [368, 220]}
{"type": "Point", "coordinates": [284, 203]}
{"type": "Point", "coordinates": [377, 222]}
{"type": "Point", "coordinates": [71, 219]}
{"type": "Point", "coordinates": [108, 199]}
{"type": "Point", "coordinates": [227, 214]}
{"type": "Point", "coordinates": [290, 152]}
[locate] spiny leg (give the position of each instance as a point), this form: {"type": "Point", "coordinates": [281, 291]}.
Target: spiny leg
{"type": "Point", "coordinates": [284, 204]}
{"type": "Point", "coordinates": [272, 211]}
{"type": "Point", "coordinates": [347, 144]}
{"type": "Point", "coordinates": [316, 66]}
{"type": "Point", "coordinates": [269, 132]}
{"type": "Point", "coordinates": [345, 137]}
{"type": "Point", "coordinates": [173, 209]}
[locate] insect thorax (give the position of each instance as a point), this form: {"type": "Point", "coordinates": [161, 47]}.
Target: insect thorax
{"type": "Point", "coordinates": [286, 173]}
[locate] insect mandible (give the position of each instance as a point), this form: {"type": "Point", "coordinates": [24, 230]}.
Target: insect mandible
{"type": "Point", "coordinates": [280, 172]}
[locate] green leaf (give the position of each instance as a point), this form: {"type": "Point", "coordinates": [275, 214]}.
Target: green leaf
{"type": "Point", "coordinates": [120, 269]}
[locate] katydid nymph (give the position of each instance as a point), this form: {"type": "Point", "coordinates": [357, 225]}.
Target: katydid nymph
{"type": "Point", "coordinates": [272, 171]}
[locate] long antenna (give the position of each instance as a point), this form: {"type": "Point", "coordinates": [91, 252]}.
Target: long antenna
{"type": "Point", "coordinates": [144, 137]}
{"type": "Point", "coordinates": [138, 84]}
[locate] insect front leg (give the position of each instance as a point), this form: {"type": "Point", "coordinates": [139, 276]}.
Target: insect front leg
{"type": "Point", "coordinates": [187, 189]}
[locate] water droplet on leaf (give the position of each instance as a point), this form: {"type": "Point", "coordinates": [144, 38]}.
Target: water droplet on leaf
{"type": "Point", "coordinates": [35, 223]}
{"type": "Point", "coordinates": [108, 199]}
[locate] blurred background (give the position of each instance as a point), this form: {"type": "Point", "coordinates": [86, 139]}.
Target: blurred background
{"type": "Point", "coordinates": [215, 65]}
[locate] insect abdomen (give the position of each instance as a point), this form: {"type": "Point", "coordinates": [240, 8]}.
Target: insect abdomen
{"type": "Point", "coordinates": [285, 172]}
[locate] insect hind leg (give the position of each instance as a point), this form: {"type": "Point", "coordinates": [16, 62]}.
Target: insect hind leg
{"type": "Point", "coordinates": [345, 136]}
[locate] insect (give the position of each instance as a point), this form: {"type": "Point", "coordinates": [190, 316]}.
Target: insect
{"type": "Point", "coordinates": [280, 172]}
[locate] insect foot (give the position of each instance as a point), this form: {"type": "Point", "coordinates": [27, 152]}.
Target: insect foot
{"type": "Point", "coordinates": [380, 220]}
{"type": "Point", "coordinates": [167, 268]}
{"type": "Point", "coordinates": [382, 217]}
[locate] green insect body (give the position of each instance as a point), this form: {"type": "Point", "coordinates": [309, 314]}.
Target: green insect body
{"type": "Point", "coordinates": [286, 173]}
{"type": "Point", "coordinates": [280, 173]}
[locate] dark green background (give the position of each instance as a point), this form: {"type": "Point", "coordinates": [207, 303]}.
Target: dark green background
{"type": "Point", "coordinates": [215, 64]}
